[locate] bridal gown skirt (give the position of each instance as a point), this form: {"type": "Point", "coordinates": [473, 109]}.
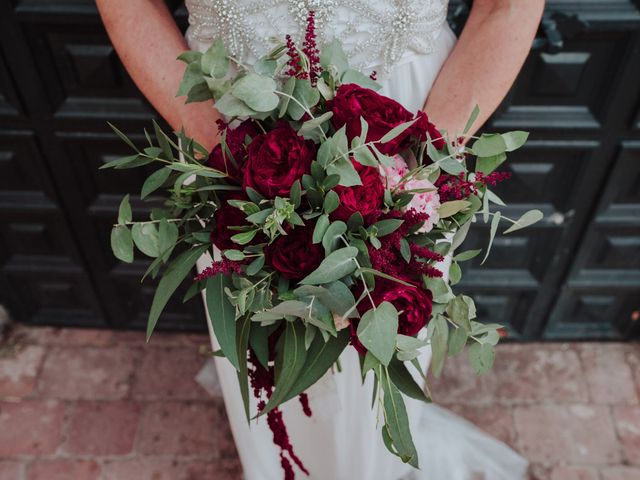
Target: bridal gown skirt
{"type": "Point", "coordinates": [341, 440]}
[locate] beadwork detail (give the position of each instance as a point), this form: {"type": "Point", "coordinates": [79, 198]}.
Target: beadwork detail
{"type": "Point", "coordinates": [374, 32]}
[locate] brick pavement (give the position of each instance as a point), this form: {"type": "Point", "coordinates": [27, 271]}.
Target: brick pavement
{"type": "Point", "coordinates": [102, 405]}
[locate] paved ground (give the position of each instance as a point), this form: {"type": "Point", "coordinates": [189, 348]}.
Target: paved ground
{"type": "Point", "coordinates": [99, 405]}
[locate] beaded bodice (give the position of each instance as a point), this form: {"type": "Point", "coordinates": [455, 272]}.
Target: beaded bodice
{"type": "Point", "coordinates": [374, 33]}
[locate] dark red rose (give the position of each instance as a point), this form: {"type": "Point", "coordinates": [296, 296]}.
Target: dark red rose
{"type": "Point", "coordinates": [366, 198]}
{"type": "Point", "coordinates": [227, 216]}
{"type": "Point", "coordinates": [382, 114]}
{"type": "Point", "coordinates": [295, 255]}
{"type": "Point", "coordinates": [413, 303]}
{"type": "Point", "coordinates": [234, 139]}
{"type": "Point", "coordinates": [276, 160]}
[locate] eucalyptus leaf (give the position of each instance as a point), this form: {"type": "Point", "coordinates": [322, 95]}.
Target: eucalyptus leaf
{"type": "Point", "coordinates": [449, 209]}
{"type": "Point", "coordinates": [487, 165]}
{"type": "Point", "coordinates": [333, 54]}
{"type": "Point", "coordinates": [170, 281]}
{"type": "Point", "coordinates": [122, 243]}
{"type": "Point", "coordinates": [243, 330]}
{"type": "Point", "coordinates": [527, 219]}
{"type": "Point", "coordinates": [481, 357]}
{"type": "Point", "coordinates": [257, 92]}
{"type": "Point", "coordinates": [492, 233]}
{"type": "Point", "coordinates": [231, 106]}
{"type": "Point", "coordinates": [359, 78]}
{"type": "Point", "coordinates": [146, 238]}
{"type": "Point", "coordinates": [439, 337]}
{"type": "Point", "coordinates": [321, 228]}
{"type": "Point", "coordinates": [124, 211]}
{"type": "Point", "coordinates": [223, 316]}
{"type": "Point", "coordinates": [154, 181]}
{"type": "Point", "coordinates": [377, 331]}
{"type": "Point", "coordinates": [489, 144]}
{"type": "Point", "coordinates": [514, 140]}
{"type": "Point", "coordinates": [335, 266]}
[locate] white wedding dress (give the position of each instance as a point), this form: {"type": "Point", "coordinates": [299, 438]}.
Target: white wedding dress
{"type": "Point", "coordinates": [406, 42]}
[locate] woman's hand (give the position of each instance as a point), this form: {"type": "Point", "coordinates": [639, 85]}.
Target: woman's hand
{"type": "Point", "coordinates": [484, 63]}
{"type": "Point", "coordinates": [148, 42]}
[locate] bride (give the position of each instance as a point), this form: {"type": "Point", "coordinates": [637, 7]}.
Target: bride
{"type": "Point", "coordinates": [419, 62]}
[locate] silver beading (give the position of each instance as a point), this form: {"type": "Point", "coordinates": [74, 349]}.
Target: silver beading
{"type": "Point", "coordinates": [375, 33]}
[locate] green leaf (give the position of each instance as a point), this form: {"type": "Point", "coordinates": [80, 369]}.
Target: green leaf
{"type": "Point", "coordinates": [257, 92]}
{"type": "Point", "coordinates": [397, 130]}
{"type": "Point", "coordinates": [529, 218]}
{"type": "Point", "coordinates": [331, 237]}
{"type": "Point", "coordinates": [121, 243]}
{"type": "Point", "coordinates": [487, 165]}
{"type": "Point", "coordinates": [192, 77]}
{"type": "Point", "coordinates": [289, 85]}
{"type": "Point", "coordinates": [481, 357]}
{"type": "Point", "coordinates": [306, 95]}
{"type": "Point", "coordinates": [439, 288]}
{"type": "Point", "coordinates": [155, 181]}
{"type": "Point", "coordinates": [377, 331]}
{"type": "Point", "coordinates": [290, 364]}
{"type": "Point", "coordinates": [265, 66]}
{"type": "Point", "coordinates": [514, 140]}
{"type": "Point", "coordinates": [344, 168]}
{"type": "Point", "coordinates": [163, 141]}
{"type": "Point", "coordinates": [364, 156]}
{"type": "Point", "coordinates": [457, 341]}
{"type": "Point", "coordinates": [320, 229]}
{"type": "Point", "coordinates": [335, 266]}
{"type": "Point", "coordinates": [214, 61]}
{"type": "Point", "coordinates": [407, 343]}
{"type": "Point", "coordinates": [259, 341]}
{"type": "Point", "coordinates": [458, 311]}
{"type": "Point", "coordinates": [123, 137]}
{"type": "Point", "coordinates": [124, 211]}
{"type": "Point", "coordinates": [167, 237]}
{"type": "Point", "coordinates": [171, 280]}
{"type": "Point", "coordinates": [243, 329]}
{"type": "Point", "coordinates": [451, 166]}
{"type": "Point", "coordinates": [439, 336]}
{"type": "Point", "coordinates": [449, 209]}
{"type": "Point", "coordinates": [333, 54]}
{"type": "Point", "coordinates": [254, 267]}
{"type": "Point", "coordinates": [390, 225]}
{"type": "Point", "coordinates": [354, 76]}
{"type": "Point", "coordinates": [489, 144]}
{"type": "Point", "coordinates": [472, 119]}
{"type": "Point", "coordinates": [455, 273]}
{"type": "Point", "coordinates": [243, 238]}
{"type": "Point", "coordinates": [190, 56]}
{"type": "Point", "coordinates": [492, 233]}
{"type": "Point", "coordinates": [397, 421]}
{"type": "Point", "coordinates": [331, 202]}
{"type": "Point", "coordinates": [335, 295]}
{"type": "Point", "coordinates": [401, 378]}
{"type": "Point", "coordinates": [146, 238]}
{"type": "Point", "coordinates": [233, 107]}
{"type": "Point", "coordinates": [321, 356]}
{"type": "Point", "coordinates": [467, 255]}
{"type": "Point", "coordinates": [223, 316]}
{"type": "Point", "coordinates": [460, 236]}
{"type": "Point", "coordinates": [234, 255]}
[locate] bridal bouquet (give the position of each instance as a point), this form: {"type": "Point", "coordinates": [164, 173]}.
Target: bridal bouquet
{"type": "Point", "coordinates": [329, 210]}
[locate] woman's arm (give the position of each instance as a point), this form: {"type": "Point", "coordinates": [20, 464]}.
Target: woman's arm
{"type": "Point", "coordinates": [484, 63]}
{"type": "Point", "coordinates": [148, 42]}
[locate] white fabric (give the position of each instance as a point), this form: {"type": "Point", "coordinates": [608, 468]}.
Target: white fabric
{"type": "Point", "coordinates": [375, 33]}
{"type": "Point", "coordinates": [342, 441]}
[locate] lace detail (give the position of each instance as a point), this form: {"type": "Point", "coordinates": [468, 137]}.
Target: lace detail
{"type": "Point", "coordinates": [375, 33]}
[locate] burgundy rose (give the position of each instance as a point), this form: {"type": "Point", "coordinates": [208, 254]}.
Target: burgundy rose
{"type": "Point", "coordinates": [366, 198]}
{"type": "Point", "coordinates": [413, 303]}
{"type": "Point", "coordinates": [382, 114]}
{"type": "Point", "coordinates": [234, 139]}
{"type": "Point", "coordinates": [295, 255]}
{"type": "Point", "coordinates": [276, 160]}
{"type": "Point", "coordinates": [227, 216]}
